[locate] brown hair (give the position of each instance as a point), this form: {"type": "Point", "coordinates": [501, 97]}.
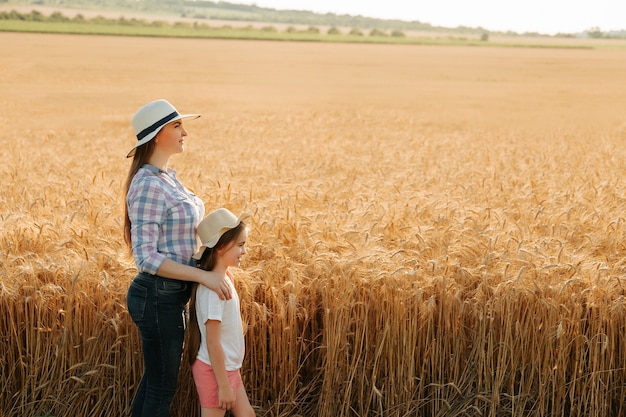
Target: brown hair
{"type": "Point", "coordinates": [142, 154]}
{"type": "Point", "coordinates": [206, 262]}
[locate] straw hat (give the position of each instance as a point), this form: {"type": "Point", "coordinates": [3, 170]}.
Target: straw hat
{"type": "Point", "coordinates": [151, 118]}
{"type": "Point", "coordinates": [214, 225]}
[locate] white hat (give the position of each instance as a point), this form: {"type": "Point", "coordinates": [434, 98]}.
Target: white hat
{"type": "Point", "coordinates": [214, 225]}
{"type": "Point", "coordinates": [151, 118]}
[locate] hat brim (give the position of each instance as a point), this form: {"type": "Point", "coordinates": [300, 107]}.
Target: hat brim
{"type": "Point", "coordinates": [152, 135]}
{"type": "Point", "coordinates": [198, 255]}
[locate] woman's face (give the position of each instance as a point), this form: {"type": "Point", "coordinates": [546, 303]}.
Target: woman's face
{"type": "Point", "coordinates": [171, 138]}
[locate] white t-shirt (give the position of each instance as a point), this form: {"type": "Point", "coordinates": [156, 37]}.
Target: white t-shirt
{"type": "Point", "coordinates": [210, 307]}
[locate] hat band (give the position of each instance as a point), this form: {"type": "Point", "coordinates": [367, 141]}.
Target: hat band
{"type": "Point", "coordinates": [156, 125]}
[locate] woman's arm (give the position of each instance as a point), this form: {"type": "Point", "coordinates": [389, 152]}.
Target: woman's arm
{"type": "Point", "coordinates": [147, 208]}
{"type": "Point", "coordinates": [212, 280]}
{"type": "Point", "coordinates": [226, 396]}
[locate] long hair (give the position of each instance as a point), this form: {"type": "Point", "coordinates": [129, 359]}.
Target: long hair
{"type": "Point", "coordinates": [142, 154]}
{"type": "Point", "coordinates": [206, 262]}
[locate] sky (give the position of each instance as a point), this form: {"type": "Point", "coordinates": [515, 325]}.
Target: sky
{"type": "Point", "coordinates": [543, 16]}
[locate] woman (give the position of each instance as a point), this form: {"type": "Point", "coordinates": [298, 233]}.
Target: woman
{"type": "Point", "coordinates": [160, 230]}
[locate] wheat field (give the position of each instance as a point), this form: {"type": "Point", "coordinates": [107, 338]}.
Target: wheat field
{"type": "Point", "coordinates": [437, 231]}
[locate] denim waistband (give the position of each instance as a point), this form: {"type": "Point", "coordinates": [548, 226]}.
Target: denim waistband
{"type": "Point", "coordinates": [173, 289]}
{"type": "Point", "coordinates": [156, 279]}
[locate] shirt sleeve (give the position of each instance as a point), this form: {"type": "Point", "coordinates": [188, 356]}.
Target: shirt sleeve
{"type": "Point", "coordinates": [208, 305]}
{"type": "Point", "coordinates": [147, 209]}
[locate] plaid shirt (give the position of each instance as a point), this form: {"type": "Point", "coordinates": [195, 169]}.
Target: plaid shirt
{"type": "Point", "coordinates": [164, 216]}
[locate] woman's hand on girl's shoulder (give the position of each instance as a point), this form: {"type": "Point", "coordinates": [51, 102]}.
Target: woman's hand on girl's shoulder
{"type": "Point", "coordinates": [217, 283]}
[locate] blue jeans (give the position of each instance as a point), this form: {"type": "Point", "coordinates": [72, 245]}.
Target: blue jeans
{"type": "Point", "coordinates": [157, 306]}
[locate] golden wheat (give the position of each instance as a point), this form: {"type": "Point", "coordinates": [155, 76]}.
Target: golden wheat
{"type": "Point", "coordinates": [437, 231]}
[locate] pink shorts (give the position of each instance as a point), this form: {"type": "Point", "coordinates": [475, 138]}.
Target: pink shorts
{"type": "Point", "coordinates": [206, 383]}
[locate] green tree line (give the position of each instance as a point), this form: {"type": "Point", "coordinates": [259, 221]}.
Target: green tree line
{"type": "Point", "coordinates": [58, 17]}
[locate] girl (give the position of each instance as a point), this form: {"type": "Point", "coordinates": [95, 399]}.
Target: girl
{"type": "Point", "coordinates": [216, 342]}
{"type": "Point", "coordinates": [161, 217]}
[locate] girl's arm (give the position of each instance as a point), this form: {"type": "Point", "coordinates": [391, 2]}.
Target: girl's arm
{"type": "Point", "coordinates": [212, 280]}
{"type": "Point", "coordinates": [216, 354]}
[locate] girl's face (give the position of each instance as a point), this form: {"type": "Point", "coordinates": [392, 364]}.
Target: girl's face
{"type": "Point", "coordinates": [171, 138]}
{"type": "Point", "coordinates": [234, 251]}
